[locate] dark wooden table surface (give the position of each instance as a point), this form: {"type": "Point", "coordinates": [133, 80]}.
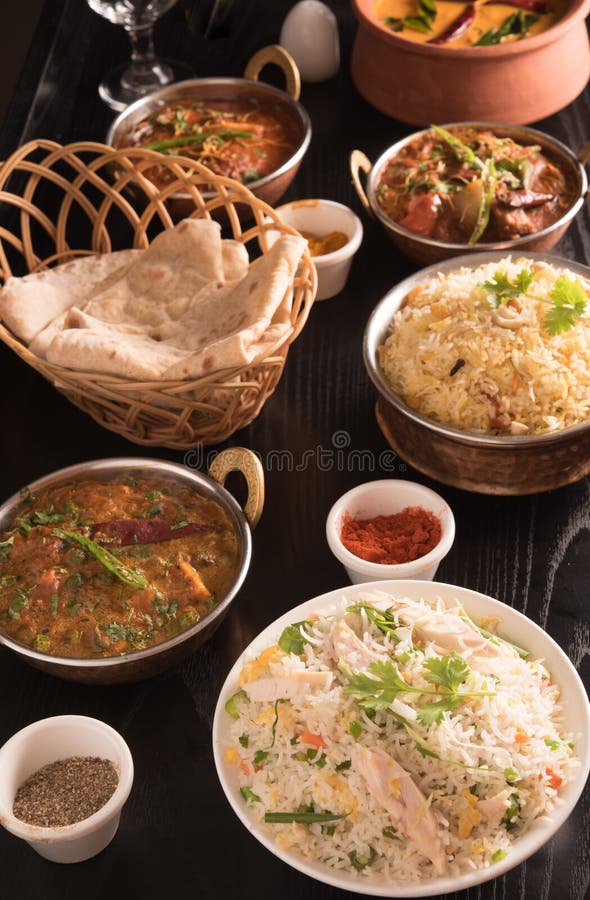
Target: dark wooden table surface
{"type": "Point", "coordinates": [178, 832]}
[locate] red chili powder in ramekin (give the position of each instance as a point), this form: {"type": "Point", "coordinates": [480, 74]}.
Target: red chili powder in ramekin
{"type": "Point", "coordinates": [390, 540]}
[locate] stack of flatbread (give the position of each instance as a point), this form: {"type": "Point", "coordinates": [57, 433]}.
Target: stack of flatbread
{"type": "Point", "coordinates": [189, 305]}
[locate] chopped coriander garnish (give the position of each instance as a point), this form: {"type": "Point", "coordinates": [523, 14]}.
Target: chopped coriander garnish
{"type": "Point", "coordinates": [244, 740]}
{"type": "Point", "coordinates": [384, 621]}
{"type": "Point", "coordinates": [6, 547]}
{"type": "Point", "coordinates": [250, 175]}
{"type": "Point", "coordinates": [568, 299]}
{"type": "Point", "coordinates": [500, 288]}
{"type": "Point", "coordinates": [569, 303]}
{"type": "Point", "coordinates": [17, 604]}
{"type": "Point", "coordinates": [345, 764]}
{"type": "Point", "coordinates": [182, 524]}
{"type": "Point", "coordinates": [116, 631]}
{"type": "Point", "coordinates": [292, 639]}
{"type": "Point", "coordinates": [379, 686]}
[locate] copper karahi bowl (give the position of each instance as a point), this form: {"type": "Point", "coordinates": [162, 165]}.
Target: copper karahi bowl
{"type": "Point", "coordinates": [426, 250]}
{"type": "Point", "coordinates": [141, 664]}
{"type": "Point", "coordinates": [484, 463]}
{"type": "Point", "coordinates": [269, 188]}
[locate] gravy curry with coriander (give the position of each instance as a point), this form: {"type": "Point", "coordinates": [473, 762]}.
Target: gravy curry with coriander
{"type": "Point", "coordinates": [243, 139]}
{"type": "Point", "coordinates": [103, 568]}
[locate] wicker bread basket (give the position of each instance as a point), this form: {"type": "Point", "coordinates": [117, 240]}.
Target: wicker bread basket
{"type": "Point", "coordinates": [59, 202]}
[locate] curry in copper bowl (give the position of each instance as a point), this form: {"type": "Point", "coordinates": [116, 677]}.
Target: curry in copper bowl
{"type": "Point", "coordinates": [240, 128]}
{"type": "Point", "coordinates": [112, 570]}
{"type": "Point", "coordinates": [244, 139]}
{"type": "Point", "coordinates": [469, 186]}
{"type": "Point", "coordinates": [94, 568]}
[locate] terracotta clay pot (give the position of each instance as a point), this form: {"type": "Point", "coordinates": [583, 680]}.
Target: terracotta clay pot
{"type": "Point", "coordinates": [518, 82]}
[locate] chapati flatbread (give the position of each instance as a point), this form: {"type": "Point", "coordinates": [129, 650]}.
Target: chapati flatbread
{"type": "Point", "coordinates": [30, 303]}
{"type": "Point", "coordinates": [168, 278]}
{"type": "Point", "coordinates": [187, 306]}
{"type": "Point", "coordinates": [87, 343]}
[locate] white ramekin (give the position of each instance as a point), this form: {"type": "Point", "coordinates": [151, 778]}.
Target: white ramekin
{"type": "Point", "coordinates": [46, 741]}
{"type": "Point", "coordinates": [320, 217]}
{"type": "Point", "coordinates": [385, 498]}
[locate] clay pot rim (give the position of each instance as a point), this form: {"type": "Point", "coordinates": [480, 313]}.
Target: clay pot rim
{"type": "Point", "coordinates": [579, 10]}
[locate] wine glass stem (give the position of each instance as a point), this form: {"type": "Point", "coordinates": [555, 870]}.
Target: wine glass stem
{"type": "Point", "coordinates": [146, 72]}
{"type": "Point", "coordinates": [142, 45]}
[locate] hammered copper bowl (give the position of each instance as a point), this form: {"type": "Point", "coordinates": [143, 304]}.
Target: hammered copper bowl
{"type": "Point", "coordinates": [425, 250]}
{"type": "Point", "coordinates": [518, 82]}
{"type": "Point", "coordinates": [269, 188]}
{"type": "Point", "coordinates": [486, 464]}
{"type": "Point", "coordinates": [145, 663]}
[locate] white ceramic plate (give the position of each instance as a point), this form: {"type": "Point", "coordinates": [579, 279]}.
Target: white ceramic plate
{"type": "Point", "coordinates": [515, 627]}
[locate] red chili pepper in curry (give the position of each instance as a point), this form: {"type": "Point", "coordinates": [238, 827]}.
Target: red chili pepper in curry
{"type": "Point", "coordinates": [93, 569]}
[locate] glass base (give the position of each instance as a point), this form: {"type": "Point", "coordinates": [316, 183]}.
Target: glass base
{"type": "Point", "coordinates": [131, 81]}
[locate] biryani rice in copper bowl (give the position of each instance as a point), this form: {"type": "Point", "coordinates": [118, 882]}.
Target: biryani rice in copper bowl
{"type": "Point", "coordinates": [482, 364]}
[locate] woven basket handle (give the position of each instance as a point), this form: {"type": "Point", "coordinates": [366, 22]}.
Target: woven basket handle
{"type": "Point", "coordinates": [276, 54]}
{"type": "Point", "coordinates": [239, 459]}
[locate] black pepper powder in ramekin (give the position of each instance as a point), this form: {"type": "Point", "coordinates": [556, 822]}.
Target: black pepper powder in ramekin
{"type": "Point", "coordinates": [65, 791]}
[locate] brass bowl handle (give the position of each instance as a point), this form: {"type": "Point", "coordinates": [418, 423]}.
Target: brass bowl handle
{"type": "Point", "coordinates": [274, 53]}
{"type": "Point", "coordinates": [239, 459]}
{"type": "Point", "coordinates": [359, 162]}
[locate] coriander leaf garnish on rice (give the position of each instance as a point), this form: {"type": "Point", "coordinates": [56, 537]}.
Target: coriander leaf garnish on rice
{"type": "Point", "coordinates": [398, 741]}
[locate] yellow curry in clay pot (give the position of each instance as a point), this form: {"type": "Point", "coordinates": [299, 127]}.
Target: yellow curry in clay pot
{"type": "Point", "coordinates": [95, 568]}
{"type": "Point", "coordinates": [482, 23]}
